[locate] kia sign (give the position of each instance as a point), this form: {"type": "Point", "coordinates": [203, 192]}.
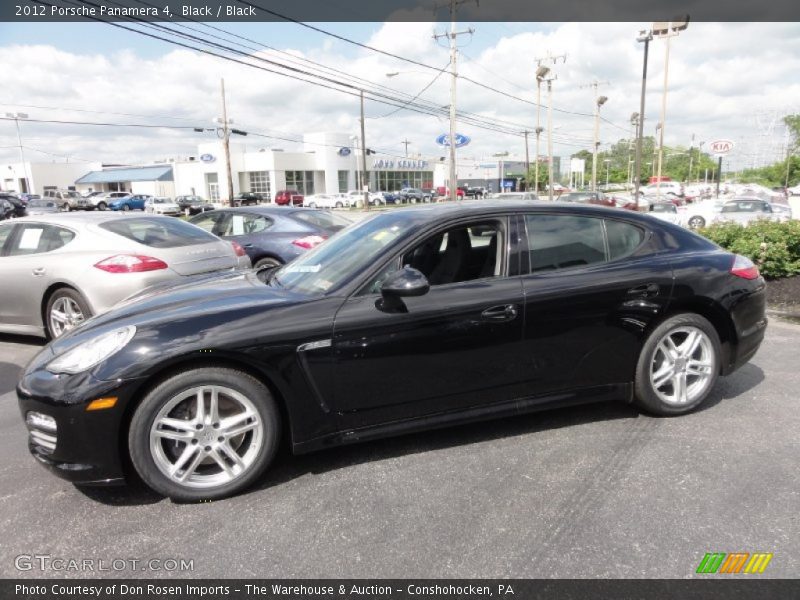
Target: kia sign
{"type": "Point", "coordinates": [207, 158]}
{"type": "Point", "coordinates": [461, 140]}
{"type": "Point", "coordinates": [721, 147]}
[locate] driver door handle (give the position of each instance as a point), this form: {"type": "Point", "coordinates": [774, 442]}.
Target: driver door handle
{"type": "Point", "coordinates": [39, 271]}
{"type": "Point", "coordinates": [505, 312]}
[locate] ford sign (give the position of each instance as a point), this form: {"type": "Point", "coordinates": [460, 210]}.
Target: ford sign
{"type": "Point", "coordinates": [461, 140]}
{"type": "Point", "coordinates": [344, 151]}
{"type": "Point", "coordinates": [207, 158]}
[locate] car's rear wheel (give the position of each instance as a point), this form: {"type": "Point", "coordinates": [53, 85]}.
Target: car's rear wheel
{"type": "Point", "coordinates": [204, 434]}
{"type": "Point", "coordinates": [66, 309]}
{"type": "Point", "coordinates": [678, 365]}
{"type": "Point", "coordinates": [697, 222]}
{"type": "Point", "coordinates": [267, 262]}
{"type": "Point", "coordinates": [66, 207]}
{"type": "Point", "coordinates": [339, 205]}
{"type": "Point", "coordinates": [102, 206]}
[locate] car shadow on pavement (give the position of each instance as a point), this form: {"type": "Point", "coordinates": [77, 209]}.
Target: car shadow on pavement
{"type": "Point", "coordinates": [287, 467]}
{"type": "Point", "coordinates": [27, 340]}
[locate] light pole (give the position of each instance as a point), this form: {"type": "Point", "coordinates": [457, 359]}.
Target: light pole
{"type": "Point", "coordinates": [17, 116]}
{"type": "Point", "coordinates": [550, 138]}
{"type": "Point", "coordinates": [646, 37]}
{"type": "Point", "coordinates": [541, 73]}
{"type": "Point", "coordinates": [666, 30]}
{"type": "Point", "coordinates": [598, 103]}
{"type": "Point", "coordinates": [699, 156]}
{"type": "Point", "coordinates": [608, 167]}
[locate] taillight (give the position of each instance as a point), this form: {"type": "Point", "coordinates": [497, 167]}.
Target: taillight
{"type": "Point", "coordinates": [238, 249]}
{"type": "Point", "coordinates": [309, 241]}
{"type": "Point", "coordinates": [130, 263]}
{"type": "Point", "coordinates": [743, 267]}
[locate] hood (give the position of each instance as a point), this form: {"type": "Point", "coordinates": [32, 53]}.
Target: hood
{"type": "Point", "coordinates": [209, 294]}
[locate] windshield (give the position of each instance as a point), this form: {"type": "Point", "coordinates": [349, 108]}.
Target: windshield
{"type": "Point", "coordinates": [332, 264]}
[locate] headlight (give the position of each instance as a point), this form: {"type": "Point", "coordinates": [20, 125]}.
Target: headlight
{"type": "Point", "coordinates": [92, 352]}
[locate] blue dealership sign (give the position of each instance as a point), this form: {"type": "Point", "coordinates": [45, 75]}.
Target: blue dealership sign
{"type": "Point", "coordinates": [344, 151]}
{"type": "Point", "coordinates": [461, 140]}
{"type": "Point", "coordinates": [207, 158]}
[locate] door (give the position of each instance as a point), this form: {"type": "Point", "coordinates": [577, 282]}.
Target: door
{"type": "Point", "coordinates": [593, 285]}
{"type": "Point", "coordinates": [452, 348]}
{"type": "Point", "coordinates": [24, 267]}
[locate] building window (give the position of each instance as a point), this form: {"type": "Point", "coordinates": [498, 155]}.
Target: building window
{"type": "Point", "coordinates": [212, 187]}
{"type": "Point", "coordinates": [343, 179]}
{"type": "Point", "coordinates": [259, 182]}
{"type": "Point", "coordinates": [300, 181]}
{"type": "Point", "coordinates": [391, 181]}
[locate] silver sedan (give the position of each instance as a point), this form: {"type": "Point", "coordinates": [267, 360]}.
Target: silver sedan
{"type": "Point", "coordinates": [58, 270]}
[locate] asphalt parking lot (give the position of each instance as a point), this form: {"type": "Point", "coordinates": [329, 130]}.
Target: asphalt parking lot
{"type": "Point", "coordinates": [596, 491]}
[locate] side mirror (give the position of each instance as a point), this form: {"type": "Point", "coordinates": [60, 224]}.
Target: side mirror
{"type": "Point", "coordinates": [405, 283]}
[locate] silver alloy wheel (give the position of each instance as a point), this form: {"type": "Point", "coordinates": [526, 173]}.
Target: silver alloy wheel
{"type": "Point", "coordinates": [206, 436]}
{"type": "Point", "coordinates": [683, 366]}
{"type": "Point", "coordinates": [697, 222]}
{"type": "Point", "coordinates": [65, 314]}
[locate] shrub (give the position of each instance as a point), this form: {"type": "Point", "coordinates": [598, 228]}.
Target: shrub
{"type": "Point", "coordinates": [774, 247]}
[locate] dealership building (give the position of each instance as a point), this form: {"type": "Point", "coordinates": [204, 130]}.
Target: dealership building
{"type": "Point", "coordinates": [327, 163]}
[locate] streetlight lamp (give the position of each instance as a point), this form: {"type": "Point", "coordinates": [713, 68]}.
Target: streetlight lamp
{"type": "Point", "coordinates": [26, 181]}
{"type": "Point", "coordinates": [666, 30]}
{"type": "Point", "coordinates": [645, 37]}
{"type": "Point", "coordinates": [598, 103]}
{"type": "Point", "coordinates": [541, 73]}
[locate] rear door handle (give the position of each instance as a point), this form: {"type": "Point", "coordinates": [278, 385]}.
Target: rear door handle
{"type": "Point", "coordinates": [39, 271]}
{"type": "Point", "coordinates": [506, 312]}
{"type": "Point", "coordinates": [647, 290]}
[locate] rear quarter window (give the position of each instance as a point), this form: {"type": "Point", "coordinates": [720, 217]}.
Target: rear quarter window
{"type": "Point", "coordinates": [623, 238]}
{"type": "Point", "coordinates": [159, 232]}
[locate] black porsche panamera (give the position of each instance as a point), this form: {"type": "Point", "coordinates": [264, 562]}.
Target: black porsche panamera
{"type": "Point", "coordinates": [410, 319]}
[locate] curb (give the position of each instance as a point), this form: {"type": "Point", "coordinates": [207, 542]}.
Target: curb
{"type": "Point", "coordinates": [786, 314]}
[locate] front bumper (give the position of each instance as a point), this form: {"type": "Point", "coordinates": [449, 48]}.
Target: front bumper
{"type": "Point", "coordinates": [87, 447]}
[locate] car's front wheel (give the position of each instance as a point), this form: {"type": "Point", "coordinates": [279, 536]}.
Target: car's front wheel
{"type": "Point", "coordinates": [204, 434]}
{"type": "Point", "coordinates": [678, 365]}
{"type": "Point", "coordinates": [102, 206]}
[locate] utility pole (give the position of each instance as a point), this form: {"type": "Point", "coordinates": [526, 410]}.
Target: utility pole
{"type": "Point", "coordinates": [226, 136]}
{"type": "Point", "coordinates": [541, 73]}
{"type": "Point", "coordinates": [17, 117]}
{"type": "Point", "coordinates": [364, 182]}
{"type": "Point", "coordinates": [598, 102]}
{"type": "Point", "coordinates": [527, 162]}
{"type": "Point", "coordinates": [454, 71]}
{"type": "Point", "coordinates": [406, 142]}
{"type": "Point", "coordinates": [646, 37]}
{"type": "Point", "coordinates": [691, 156]}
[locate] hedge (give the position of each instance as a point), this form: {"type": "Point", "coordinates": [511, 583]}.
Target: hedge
{"type": "Point", "coordinates": [774, 247]}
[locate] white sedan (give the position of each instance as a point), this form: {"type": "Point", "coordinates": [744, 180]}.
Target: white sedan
{"type": "Point", "coordinates": [325, 201]}
{"type": "Point", "coordinates": [162, 206]}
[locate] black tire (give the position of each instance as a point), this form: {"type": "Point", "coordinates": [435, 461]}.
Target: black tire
{"type": "Point", "coordinates": [267, 262]}
{"type": "Point", "coordinates": [66, 207]}
{"type": "Point", "coordinates": [102, 206]}
{"type": "Point", "coordinates": [697, 222]}
{"type": "Point", "coordinates": [645, 392]}
{"type": "Point", "coordinates": [60, 295]}
{"type": "Point", "coordinates": [148, 410]}
{"type": "Point", "coordinates": [339, 205]}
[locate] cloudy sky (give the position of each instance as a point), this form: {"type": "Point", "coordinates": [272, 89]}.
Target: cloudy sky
{"type": "Point", "coordinates": [726, 80]}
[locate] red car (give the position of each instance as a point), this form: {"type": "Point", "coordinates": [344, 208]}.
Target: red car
{"type": "Point", "coordinates": [287, 197]}
{"type": "Point", "coordinates": [444, 192]}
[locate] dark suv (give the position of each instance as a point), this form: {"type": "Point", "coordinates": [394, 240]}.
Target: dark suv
{"type": "Point", "coordinates": [412, 195]}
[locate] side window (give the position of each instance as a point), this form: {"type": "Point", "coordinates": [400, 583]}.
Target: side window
{"type": "Point", "coordinates": [564, 241]}
{"type": "Point", "coordinates": [5, 231]}
{"type": "Point", "coordinates": [37, 238]}
{"type": "Point", "coordinates": [244, 224]}
{"type": "Point", "coordinates": [212, 222]}
{"type": "Point", "coordinates": [464, 253]}
{"type": "Point", "coordinates": [623, 238]}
